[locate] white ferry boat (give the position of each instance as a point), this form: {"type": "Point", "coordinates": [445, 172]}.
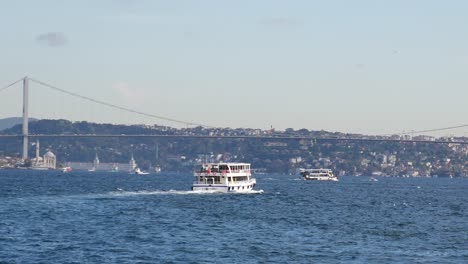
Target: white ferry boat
{"type": "Point", "coordinates": [67, 169]}
{"type": "Point", "coordinates": [224, 177]}
{"type": "Point", "coordinates": [114, 168]}
{"type": "Point", "coordinates": [318, 174]}
{"type": "Point", "coordinates": [140, 172]}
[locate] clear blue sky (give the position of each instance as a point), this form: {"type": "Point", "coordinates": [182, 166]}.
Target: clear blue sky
{"type": "Point", "coordinates": [369, 66]}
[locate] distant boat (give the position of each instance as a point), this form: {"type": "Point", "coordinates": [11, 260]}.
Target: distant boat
{"type": "Point", "coordinates": [95, 163]}
{"type": "Point", "coordinates": [157, 169]}
{"type": "Point", "coordinates": [115, 168]}
{"type": "Point", "coordinates": [373, 179]}
{"type": "Point", "coordinates": [318, 174]}
{"type": "Point", "coordinates": [139, 172]}
{"type": "Point", "coordinates": [66, 169]}
{"type": "Point", "coordinates": [132, 166]}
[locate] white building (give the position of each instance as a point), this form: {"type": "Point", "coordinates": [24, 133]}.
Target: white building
{"type": "Point", "coordinates": [48, 161]}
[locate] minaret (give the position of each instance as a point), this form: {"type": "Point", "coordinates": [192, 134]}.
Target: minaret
{"type": "Point", "coordinates": [96, 162]}
{"type": "Point", "coordinates": [37, 152]}
{"type": "Point", "coordinates": [132, 164]}
{"type": "Point", "coordinates": [157, 153]}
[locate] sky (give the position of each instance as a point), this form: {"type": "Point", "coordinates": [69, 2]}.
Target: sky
{"type": "Point", "coordinates": [362, 66]}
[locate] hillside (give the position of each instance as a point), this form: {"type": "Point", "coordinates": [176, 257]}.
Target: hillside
{"type": "Point", "coordinates": [12, 121]}
{"type": "Point", "coordinates": [273, 155]}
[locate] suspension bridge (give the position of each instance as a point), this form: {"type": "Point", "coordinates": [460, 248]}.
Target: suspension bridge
{"type": "Point", "coordinates": [25, 135]}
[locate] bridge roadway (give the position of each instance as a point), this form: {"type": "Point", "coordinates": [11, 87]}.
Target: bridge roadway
{"type": "Point", "coordinates": [235, 137]}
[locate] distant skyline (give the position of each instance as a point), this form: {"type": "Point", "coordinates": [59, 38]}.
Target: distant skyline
{"type": "Point", "coordinates": [364, 66]}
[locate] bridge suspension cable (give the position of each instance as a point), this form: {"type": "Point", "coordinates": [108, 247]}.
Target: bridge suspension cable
{"type": "Point", "coordinates": [180, 121]}
{"type": "Point", "coordinates": [9, 85]}
{"type": "Point", "coordinates": [119, 107]}
{"type": "Point", "coordinates": [428, 130]}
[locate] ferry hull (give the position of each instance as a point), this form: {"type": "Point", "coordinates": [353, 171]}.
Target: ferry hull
{"type": "Point", "coordinates": [209, 188]}
{"type": "Point", "coordinates": [320, 179]}
{"type": "Point", "coordinates": [241, 188]}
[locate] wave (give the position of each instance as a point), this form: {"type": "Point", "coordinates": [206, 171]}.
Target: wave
{"type": "Point", "coordinates": [121, 192]}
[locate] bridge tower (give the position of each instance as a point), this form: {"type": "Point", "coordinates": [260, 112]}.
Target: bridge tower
{"type": "Point", "coordinates": [25, 117]}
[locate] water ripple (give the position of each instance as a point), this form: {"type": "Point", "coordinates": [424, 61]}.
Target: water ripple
{"type": "Point", "coordinates": [117, 218]}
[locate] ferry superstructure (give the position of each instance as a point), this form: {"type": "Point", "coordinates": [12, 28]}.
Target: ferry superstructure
{"type": "Point", "coordinates": [224, 177]}
{"type": "Point", "coordinates": [318, 174]}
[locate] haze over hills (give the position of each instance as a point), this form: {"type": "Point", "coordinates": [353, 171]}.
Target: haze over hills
{"type": "Point", "coordinates": [12, 121]}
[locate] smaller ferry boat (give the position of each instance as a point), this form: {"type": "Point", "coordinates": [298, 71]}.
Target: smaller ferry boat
{"type": "Point", "coordinates": [114, 168]}
{"type": "Point", "coordinates": [66, 169]}
{"type": "Point", "coordinates": [140, 172]}
{"type": "Point", "coordinates": [157, 169]}
{"type": "Point", "coordinates": [318, 174]}
{"type": "Point", "coordinates": [224, 177]}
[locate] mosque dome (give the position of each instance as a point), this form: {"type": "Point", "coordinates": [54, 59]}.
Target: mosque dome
{"type": "Point", "coordinates": [49, 155]}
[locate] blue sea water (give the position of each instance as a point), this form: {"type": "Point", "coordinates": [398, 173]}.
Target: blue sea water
{"type": "Point", "coordinates": [84, 217]}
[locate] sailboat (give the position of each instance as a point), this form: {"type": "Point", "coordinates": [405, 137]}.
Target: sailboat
{"type": "Point", "coordinates": [157, 168]}
{"type": "Point", "coordinates": [133, 167]}
{"type": "Point", "coordinates": [114, 168]}
{"type": "Point", "coordinates": [95, 163]}
{"type": "Point", "coordinates": [139, 172]}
